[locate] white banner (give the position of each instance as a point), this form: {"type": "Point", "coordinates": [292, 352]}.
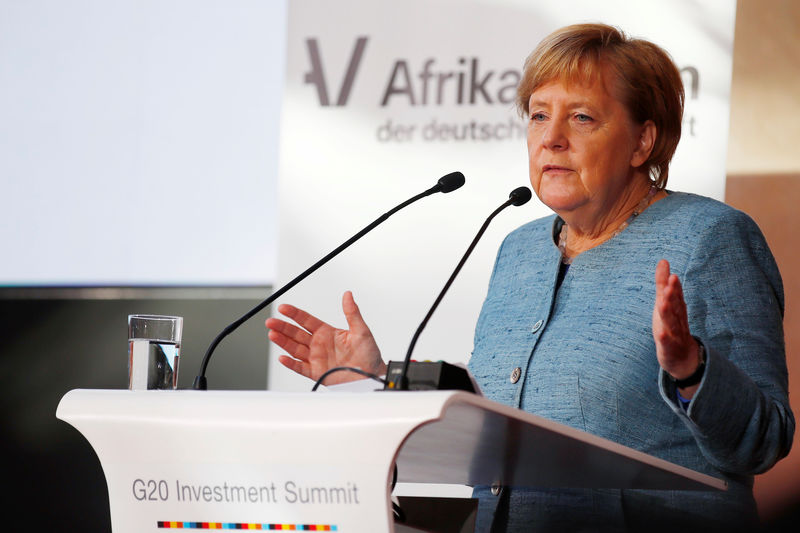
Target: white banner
{"type": "Point", "coordinates": [382, 98]}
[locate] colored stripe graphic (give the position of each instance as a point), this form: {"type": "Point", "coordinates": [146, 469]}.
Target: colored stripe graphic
{"type": "Point", "coordinates": [245, 525]}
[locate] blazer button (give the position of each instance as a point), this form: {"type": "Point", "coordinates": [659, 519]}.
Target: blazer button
{"type": "Point", "coordinates": [495, 489]}
{"type": "Point", "coordinates": [515, 374]}
{"type": "Point", "coordinates": [536, 326]}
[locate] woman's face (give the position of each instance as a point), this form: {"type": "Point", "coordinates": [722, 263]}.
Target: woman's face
{"type": "Point", "coordinates": [583, 148]}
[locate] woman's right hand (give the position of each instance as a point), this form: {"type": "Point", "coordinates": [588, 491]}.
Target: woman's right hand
{"type": "Point", "coordinates": [315, 347]}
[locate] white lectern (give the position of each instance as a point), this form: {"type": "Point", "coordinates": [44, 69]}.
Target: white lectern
{"type": "Point", "coordinates": [325, 461]}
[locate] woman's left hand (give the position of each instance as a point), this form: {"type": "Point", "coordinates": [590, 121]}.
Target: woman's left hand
{"type": "Point", "coordinates": [677, 351]}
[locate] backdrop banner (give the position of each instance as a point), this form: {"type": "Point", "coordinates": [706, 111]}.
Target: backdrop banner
{"type": "Point", "coordinates": [382, 98]}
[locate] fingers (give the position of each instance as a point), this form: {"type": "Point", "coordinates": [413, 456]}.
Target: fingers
{"type": "Point", "coordinates": [676, 349]}
{"type": "Point", "coordinates": [662, 274]}
{"type": "Point", "coordinates": [306, 320]}
{"type": "Point", "coordinates": [670, 317]}
{"type": "Point", "coordinates": [298, 350]}
{"type": "Point", "coordinates": [295, 366]}
{"type": "Point", "coordinates": [289, 330]}
{"type": "Point", "coordinates": [293, 339]}
{"type": "Point", "coordinates": [311, 323]}
{"type": "Point", "coordinates": [672, 307]}
{"type": "Point", "coordinates": [353, 315]}
{"type": "Point", "coordinates": [669, 298]}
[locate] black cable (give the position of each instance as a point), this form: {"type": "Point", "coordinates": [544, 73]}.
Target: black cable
{"type": "Point", "coordinates": [399, 515]}
{"type": "Point", "coordinates": [350, 369]}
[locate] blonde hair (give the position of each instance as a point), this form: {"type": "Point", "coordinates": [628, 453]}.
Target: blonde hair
{"type": "Point", "coordinates": [645, 80]}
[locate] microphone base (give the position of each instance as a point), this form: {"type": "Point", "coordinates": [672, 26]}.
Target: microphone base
{"type": "Point", "coordinates": [427, 375]}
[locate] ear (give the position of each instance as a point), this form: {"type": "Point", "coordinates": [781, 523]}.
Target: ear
{"type": "Point", "coordinates": [644, 144]}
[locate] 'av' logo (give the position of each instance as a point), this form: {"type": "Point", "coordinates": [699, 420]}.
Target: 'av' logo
{"type": "Point", "coordinates": [317, 77]}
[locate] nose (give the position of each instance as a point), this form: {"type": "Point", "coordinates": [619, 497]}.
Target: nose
{"type": "Point", "coordinates": [554, 136]}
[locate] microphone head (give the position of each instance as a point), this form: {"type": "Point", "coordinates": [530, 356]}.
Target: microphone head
{"type": "Point", "coordinates": [451, 182]}
{"type": "Point", "coordinates": [520, 195]}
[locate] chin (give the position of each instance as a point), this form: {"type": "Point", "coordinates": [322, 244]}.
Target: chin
{"type": "Point", "coordinates": [560, 202]}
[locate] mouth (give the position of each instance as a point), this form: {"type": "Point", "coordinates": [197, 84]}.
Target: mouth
{"type": "Point", "coordinates": [555, 168]}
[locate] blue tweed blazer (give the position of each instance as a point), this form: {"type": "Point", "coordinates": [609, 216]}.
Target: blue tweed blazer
{"type": "Point", "coordinates": [587, 360]}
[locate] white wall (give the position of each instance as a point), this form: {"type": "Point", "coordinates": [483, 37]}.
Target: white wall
{"type": "Point", "coordinates": [139, 141]}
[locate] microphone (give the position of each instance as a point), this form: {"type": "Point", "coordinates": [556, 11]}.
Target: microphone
{"type": "Point", "coordinates": [517, 197]}
{"type": "Point", "coordinates": [446, 184]}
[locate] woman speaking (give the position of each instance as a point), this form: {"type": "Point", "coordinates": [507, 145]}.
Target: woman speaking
{"type": "Point", "coordinates": [648, 317]}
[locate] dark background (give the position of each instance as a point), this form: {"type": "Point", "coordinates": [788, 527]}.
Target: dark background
{"type": "Point", "coordinates": [56, 340]}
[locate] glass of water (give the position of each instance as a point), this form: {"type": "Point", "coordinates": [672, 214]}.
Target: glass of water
{"type": "Point", "coordinates": [154, 347]}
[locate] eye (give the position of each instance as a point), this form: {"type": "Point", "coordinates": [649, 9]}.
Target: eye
{"type": "Point", "coordinates": [583, 118]}
{"type": "Point", "coordinates": [537, 117]}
